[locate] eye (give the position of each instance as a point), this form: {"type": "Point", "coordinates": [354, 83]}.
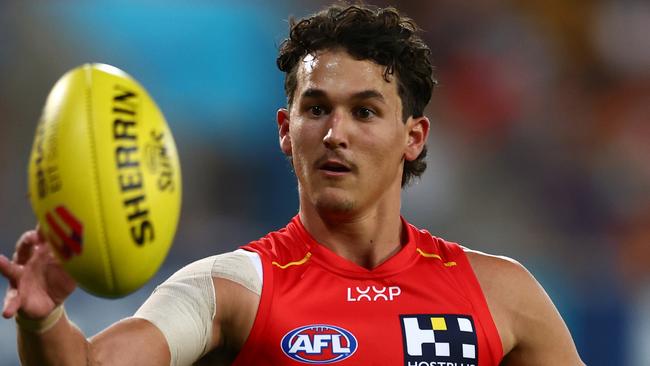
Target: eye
{"type": "Point", "coordinates": [365, 113]}
{"type": "Point", "coordinates": [316, 110]}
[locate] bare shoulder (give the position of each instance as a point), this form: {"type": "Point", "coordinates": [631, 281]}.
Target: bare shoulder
{"type": "Point", "coordinates": [503, 280]}
{"type": "Point", "coordinates": [495, 268]}
{"type": "Point", "coordinates": [531, 329]}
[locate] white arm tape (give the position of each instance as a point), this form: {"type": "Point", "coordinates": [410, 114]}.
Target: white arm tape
{"type": "Point", "coordinates": [183, 307]}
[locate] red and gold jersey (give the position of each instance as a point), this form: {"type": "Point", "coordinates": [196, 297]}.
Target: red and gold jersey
{"type": "Point", "coordinates": [422, 307]}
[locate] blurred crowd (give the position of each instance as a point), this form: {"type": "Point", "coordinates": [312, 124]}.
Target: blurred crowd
{"type": "Point", "coordinates": [539, 145]}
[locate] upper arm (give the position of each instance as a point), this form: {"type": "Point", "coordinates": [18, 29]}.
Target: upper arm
{"type": "Point", "coordinates": [237, 310]}
{"type": "Point", "coordinates": [206, 307]}
{"type": "Point", "coordinates": [130, 341]}
{"type": "Point", "coordinates": [531, 328]}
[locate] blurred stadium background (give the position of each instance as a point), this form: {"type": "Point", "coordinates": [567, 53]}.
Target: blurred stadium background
{"type": "Point", "coordinates": [539, 149]}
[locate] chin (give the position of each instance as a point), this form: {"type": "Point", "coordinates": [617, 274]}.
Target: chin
{"type": "Point", "coordinates": [333, 203]}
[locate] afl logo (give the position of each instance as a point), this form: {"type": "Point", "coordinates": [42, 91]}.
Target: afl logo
{"type": "Point", "coordinates": [319, 344]}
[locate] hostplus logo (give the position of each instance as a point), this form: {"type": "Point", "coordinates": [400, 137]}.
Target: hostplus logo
{"type": "Point", "coordinates": [439, 340]}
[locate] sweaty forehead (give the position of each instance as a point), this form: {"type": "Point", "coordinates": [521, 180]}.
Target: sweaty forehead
{"type": "Point", "coordinates": [336, 72]}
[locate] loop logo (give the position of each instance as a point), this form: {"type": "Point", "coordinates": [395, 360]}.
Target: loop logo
{"type": "Point", "coordinates": [319, 344]}
{"type": "Point", "coordinates": [372, 293]}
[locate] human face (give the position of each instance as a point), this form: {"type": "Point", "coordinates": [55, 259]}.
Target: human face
{"type": "Point", "coordinates": [346, 136]}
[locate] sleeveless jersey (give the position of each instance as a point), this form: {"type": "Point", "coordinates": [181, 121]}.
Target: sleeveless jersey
{"type": "Point", "coordinates": [421, 307]}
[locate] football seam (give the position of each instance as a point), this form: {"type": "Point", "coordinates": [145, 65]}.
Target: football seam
{"type": "Point", "coordinates": [104, 242]}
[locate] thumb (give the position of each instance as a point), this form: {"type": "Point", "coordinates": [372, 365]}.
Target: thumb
{"type": "Point", "coordinates": [11, 303]}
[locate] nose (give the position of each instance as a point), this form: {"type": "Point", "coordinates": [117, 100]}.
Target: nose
{"type": "Point", "coordinates": [336, 136]}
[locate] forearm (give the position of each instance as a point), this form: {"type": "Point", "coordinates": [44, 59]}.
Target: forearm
{"type": "Point", "coordinates": [62, 344]}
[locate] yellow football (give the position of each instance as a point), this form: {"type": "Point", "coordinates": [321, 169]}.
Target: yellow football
{"type": "Point", "coordinates": [105, 179]}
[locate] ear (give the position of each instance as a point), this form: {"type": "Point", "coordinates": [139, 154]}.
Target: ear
{"type": "Point", "coordinates": [418, 132]}
{"type": "Point", "coordinates": [283, 131]}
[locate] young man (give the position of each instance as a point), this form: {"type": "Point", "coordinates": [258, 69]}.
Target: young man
{"type": "Point", "coordinates": [348, 281]}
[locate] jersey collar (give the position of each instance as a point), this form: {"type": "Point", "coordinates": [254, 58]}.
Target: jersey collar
{"type": "Point", "coordinates": [333, 262]}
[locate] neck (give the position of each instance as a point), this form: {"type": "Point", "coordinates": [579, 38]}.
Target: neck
{"type": "Point", "coordinates": [367, 239]}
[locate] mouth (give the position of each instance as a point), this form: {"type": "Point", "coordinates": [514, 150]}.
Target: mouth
{"type": "Point", "coordinates": [333, 167]}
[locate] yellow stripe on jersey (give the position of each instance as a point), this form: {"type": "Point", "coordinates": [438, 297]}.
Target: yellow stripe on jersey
{"type": "Point", "coordinates": [296, 263]}
{"type": "Point", "coordinates": [433, 255]}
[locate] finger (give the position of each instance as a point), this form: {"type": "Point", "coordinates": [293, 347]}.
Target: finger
{"type": "Point", "coordinates": [41, 253]}
{"type": "Point", "coordinates": [10, 270]}
{"type": "Point", "coordinates": [27, 236]}
{"type": "Point", "coordinates": [24, 246]}
{"type": "Point", "coordinates": [11, 303]}
{"type": "Point", "coordinates": [40, 232]}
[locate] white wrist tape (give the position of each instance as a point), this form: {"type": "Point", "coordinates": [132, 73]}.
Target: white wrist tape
{"type": "Point", "coordinates": [183, 307]}
{"type": "Point", "coordinates": [40, 325]}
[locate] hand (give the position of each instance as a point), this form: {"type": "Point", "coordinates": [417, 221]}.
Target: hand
{"type": "Point", "coordinates": [37, 281]}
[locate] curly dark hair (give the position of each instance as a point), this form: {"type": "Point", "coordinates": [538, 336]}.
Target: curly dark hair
{"type": "Point", "coordinates": [367, 33]}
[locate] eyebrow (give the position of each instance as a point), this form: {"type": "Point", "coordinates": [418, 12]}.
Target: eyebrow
{"type": "Point", "coordinates": [364, 94]}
